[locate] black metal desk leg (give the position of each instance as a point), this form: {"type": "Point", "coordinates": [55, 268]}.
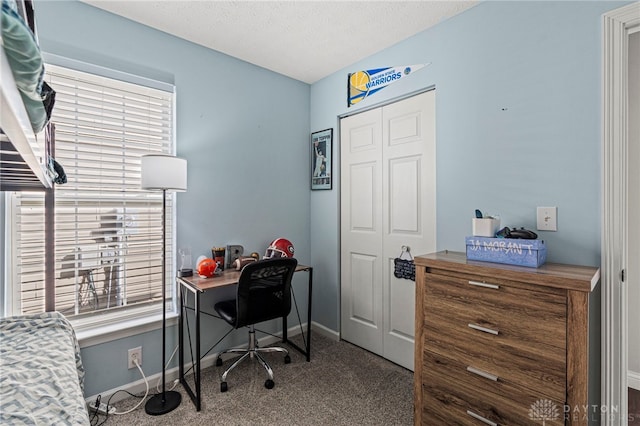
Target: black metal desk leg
{"type": "Point", "coordinates": [307, 341]}
{"type": "Point", "coordinates": [309, 315]}
{"type": "Point", "coordinates": [197, 309]}
{"type": "Point", "coordinates": [194, 394]}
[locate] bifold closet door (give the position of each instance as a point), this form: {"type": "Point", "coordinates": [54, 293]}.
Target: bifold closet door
{"type": "Point", "coordinates": [387, 201]}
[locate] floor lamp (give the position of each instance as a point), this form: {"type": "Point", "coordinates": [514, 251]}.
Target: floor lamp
{"type": "Point", "coordinates": [164, 173]}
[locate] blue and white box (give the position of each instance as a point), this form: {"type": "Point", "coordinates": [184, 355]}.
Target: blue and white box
{"type": "Point", "coordinates": [532, 253]}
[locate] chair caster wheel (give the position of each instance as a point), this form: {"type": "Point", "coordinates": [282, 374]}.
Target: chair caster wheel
{"type": "Point", "coordinates": [287, 359]}
{"type": "Point", "coordinates": [218, 362]}
{"type": "Point", "coordinates": [223, 387]}
{"type": "Point", "coordinates": [269, 384]}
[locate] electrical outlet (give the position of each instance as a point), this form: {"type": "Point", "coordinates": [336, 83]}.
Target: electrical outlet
{"type": "Point", "coordinates": [135, 353]}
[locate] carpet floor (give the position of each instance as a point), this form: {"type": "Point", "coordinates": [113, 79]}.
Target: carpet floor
{"type": "Point", "coordinates": [342, 385]}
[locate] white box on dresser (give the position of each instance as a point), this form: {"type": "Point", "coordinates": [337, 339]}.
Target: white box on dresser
{"type": "Point", "coordinates": [503, 345]}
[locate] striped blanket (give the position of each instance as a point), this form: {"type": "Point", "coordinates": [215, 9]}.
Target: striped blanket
{"type": "Point", "coordinates": [41, 373]}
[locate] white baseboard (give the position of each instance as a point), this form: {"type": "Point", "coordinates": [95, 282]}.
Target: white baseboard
{"type": "Point", "coordinates": [633, 380]}
{"type": "Point", "coordinates": [327, 332]}
{"type": "Point", "coordinates": [171, 375]}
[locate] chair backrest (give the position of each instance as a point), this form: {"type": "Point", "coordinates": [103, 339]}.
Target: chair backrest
{"type": "Point", "coordinates": [264, 290]}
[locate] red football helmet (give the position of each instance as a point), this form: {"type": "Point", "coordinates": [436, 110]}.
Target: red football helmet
{"type": "Point", "coordinates": [206, 267]}
{"type": "Point", "coordinates": [280, 247]}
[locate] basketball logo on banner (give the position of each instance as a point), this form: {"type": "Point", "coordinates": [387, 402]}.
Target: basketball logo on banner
{"type": "Point", "coordinates": [361, 84]}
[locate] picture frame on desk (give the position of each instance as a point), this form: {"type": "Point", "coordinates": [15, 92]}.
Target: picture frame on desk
{"type": "Point", "coordinates": [322, 159]}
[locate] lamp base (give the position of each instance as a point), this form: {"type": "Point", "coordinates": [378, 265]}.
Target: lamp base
{"type": "Point", "coordinates": [158, 405]}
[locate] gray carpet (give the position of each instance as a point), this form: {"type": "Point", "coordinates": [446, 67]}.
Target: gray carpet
{"type": "Point", "coordinates": [342, 385]}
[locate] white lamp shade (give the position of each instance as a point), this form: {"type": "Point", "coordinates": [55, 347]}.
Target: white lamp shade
{"type": "Point", "coordinates": [164, 172]}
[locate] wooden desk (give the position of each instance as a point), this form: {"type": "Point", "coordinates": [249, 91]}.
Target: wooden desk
{"type": "Point", "coordinates": [197, 286]}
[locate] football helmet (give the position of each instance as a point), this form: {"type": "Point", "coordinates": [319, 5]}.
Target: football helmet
{"type": "Point", "coordinates": [280, 247]}
{"type": "Point", "coordinates": [206, 267]}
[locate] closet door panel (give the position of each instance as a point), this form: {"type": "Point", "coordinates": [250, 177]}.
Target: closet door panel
{"type": "Point", "coordinates": [408, 212]}
{"type": "Point", "coordinates": [361, 230]}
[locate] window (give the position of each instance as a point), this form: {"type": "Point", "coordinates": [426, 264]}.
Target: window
{"type": "Point", "coordinates": [108, 231]}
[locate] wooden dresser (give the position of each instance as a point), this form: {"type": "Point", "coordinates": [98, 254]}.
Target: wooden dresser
{"type": "Point", "coordinates": [500, 344]}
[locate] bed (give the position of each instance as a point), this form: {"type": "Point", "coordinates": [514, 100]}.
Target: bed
{"type": "Point", "coordinates": [26, 103]}
{"type": "Point", "coordinates": [41, 373]}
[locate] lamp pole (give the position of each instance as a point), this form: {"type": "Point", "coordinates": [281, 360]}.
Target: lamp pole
{"type": "Point", "coordinates": [156, 174]}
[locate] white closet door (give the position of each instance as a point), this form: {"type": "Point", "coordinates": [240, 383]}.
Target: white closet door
{"type": "Point", "coordinates": [387, 201]}
{"type": "Point", "coordinates": [361, 229]}
{"type": "Point", "coordinates": [409, 213]}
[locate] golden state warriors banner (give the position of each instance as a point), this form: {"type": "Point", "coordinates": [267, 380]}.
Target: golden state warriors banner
{"type": "Point", "coordinates": [361, 84]}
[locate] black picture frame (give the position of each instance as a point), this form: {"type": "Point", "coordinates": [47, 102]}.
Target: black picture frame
{"type": "Point", "coordinates": [322, 159]}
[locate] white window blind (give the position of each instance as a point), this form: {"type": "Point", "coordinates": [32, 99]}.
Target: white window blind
{"type": "Point", "coordinates": [108, 231]}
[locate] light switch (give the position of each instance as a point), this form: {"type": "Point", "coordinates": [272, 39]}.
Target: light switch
{"type": "Point", "coordinates": [547, 219]}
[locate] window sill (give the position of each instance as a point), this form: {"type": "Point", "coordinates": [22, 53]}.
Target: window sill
{"type": "Point", "coordinates": [114, 331]}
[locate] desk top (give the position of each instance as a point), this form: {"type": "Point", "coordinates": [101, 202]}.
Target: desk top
{"type": "Point", "coordinates": [228, 277]}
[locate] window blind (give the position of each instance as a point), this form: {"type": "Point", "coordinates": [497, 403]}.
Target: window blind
{"type": "Point", "coordinates": [108, 231]}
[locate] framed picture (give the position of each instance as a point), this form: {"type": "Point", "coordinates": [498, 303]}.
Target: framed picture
{"type": "Point", "coordinates": [321, 159]}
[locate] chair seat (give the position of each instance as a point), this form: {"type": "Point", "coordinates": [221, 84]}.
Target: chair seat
{"type": "Point", "coordinates": [227, 311]}
{"type": "Point", "coordinates": [263, 311]}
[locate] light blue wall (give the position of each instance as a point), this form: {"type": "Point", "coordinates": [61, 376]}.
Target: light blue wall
{"type": "Point", "coordinates": [540, 62]}
{"type": "Point", "coordinates": [244, 132]}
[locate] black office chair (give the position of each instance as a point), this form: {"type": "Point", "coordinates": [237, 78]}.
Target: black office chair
{"type": "Point", "coordinates": [264, 293]}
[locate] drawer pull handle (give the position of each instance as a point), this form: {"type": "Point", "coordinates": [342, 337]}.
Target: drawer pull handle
{"type": "Point", "coordinates": [485, 285]}
{"type": "Point", "coordinates": [481, 373]}
{"type": "Point", "coordinates": [483, 329]}
{"type": "Point", "coordinates": [482, 419]}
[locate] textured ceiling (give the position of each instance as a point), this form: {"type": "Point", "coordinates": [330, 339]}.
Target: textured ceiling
{"type": "Point", "coordinates": [305, 40]}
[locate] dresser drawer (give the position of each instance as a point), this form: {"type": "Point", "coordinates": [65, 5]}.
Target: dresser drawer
{"type": "Point", "coordinates": [448, 386]}
{"type": "Point", "coordinates": [526, 321]}
{"type": "Point", "coordinates": [511, 312]}
{"type": "Point", "coordinates": [453, 396]}
{"type": "Point", "coordinates": [514, 314]}
{"type": "Point", "coordinates": [507, 332]}
{"type": "Point", "coordinates": [544, 371]}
